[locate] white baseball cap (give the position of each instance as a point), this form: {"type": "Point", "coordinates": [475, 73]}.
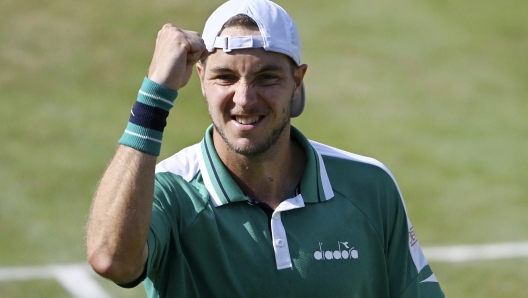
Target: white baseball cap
{"type": "Point", "coordinates": [278, 33]}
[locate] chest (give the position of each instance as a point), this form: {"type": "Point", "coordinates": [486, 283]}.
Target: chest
{"type": "Point", "coordinates": [333, 249]}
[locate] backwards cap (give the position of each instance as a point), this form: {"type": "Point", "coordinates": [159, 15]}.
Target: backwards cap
{"type": "Point", "coordinates": [278, 34]}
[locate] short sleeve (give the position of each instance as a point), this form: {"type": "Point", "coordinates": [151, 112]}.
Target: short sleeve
{"type": "Point", "coordinates": [160, 229]}
{"type": "Point", "coordinates": [409, 274]}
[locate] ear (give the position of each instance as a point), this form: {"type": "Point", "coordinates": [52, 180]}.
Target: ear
{"type": "Point", "coordinates": [298, 77]}
{"type": "Point", "coordinates": [200, 68]}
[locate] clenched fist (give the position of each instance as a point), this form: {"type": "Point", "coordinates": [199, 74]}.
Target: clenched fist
{"type": "Point", "coordinates": [174, 57]}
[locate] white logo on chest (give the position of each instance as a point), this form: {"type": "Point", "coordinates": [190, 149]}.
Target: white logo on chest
{"type": "Point", "coordinates": [345, 253]}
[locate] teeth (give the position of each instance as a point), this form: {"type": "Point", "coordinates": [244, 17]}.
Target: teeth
{"type": "Point", "coordinates": [247, 120]}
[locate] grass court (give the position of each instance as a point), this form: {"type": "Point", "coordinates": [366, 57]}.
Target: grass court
{"type": "Point", "coordinates": [436, 90]}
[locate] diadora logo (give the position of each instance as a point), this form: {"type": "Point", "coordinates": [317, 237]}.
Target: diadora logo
{"type": "Point", "coordinates": [345, 253]}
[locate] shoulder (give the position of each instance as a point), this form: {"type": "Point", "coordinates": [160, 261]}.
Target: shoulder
{"type": "Point", "coordinates": [179, 188]}
{"type": "Point", "coordinates": [185, 163]}
{"type": "Point", "coordinates": [355, 166]}
{"type": "Point", "coordinates": [364, 182]}
{"type": "Point", "coordinates": [179, 177]}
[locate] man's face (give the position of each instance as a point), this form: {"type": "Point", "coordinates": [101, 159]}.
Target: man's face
{"type": "Point", "coordinates": [249, 93]}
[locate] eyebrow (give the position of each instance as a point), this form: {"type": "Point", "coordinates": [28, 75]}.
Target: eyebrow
{"type": "Point", "coordinates": [257, 70]}
{"type": "Point", "coordinates": [267, 68]}
{"type": "Point", "coordinates": [220, 69]}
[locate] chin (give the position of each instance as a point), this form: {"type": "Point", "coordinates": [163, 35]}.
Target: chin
{"type": "Point", "coordinates": [251, 150]}
{"type": "Point", "coordinates": [255, 146]}
{"type": "Point", "coordinates": [249, 147]}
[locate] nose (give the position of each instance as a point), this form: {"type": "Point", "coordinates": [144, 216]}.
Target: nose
{"type": "Point", "coordinates": [244, 94]}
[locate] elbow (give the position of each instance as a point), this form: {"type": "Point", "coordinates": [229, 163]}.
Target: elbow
{"type": "Point", "coordinates": [102, 264]}
{"type": "Point", "coordinates": [105, 265]}
{"type": "Point", "coordinates": [111, 267]}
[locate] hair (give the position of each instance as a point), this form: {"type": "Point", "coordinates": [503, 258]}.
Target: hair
{"type": "Point", "coordinates": [241, 20]}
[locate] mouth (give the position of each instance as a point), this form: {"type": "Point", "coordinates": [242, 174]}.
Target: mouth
{"type": "Point", "coordinates": [247, 120]}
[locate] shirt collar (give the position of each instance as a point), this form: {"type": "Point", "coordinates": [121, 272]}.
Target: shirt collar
{"type": "Point", "coordinates": [314, 187]}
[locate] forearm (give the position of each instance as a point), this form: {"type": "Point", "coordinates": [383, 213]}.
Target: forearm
{"type": "Point", "coordinates": [119, 221]}
{"type": "Point", "coordinates": [120, 216]}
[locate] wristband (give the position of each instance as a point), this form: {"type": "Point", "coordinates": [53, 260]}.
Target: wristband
{"type": "Point", "coordinates": [148, 118]}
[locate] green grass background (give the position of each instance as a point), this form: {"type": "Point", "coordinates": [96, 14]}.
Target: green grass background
{"type": "Point", "coordinates": [435, 89]}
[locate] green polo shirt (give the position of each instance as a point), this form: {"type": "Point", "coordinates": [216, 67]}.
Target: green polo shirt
{"type": "Point", "coordinates": [346, 234]}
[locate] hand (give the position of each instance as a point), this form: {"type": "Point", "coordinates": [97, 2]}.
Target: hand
{"type": "Point", "coordinates": [174, 57]}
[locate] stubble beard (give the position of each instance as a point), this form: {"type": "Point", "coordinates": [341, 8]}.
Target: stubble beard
{"type": "Point", "coordinates": [261, 148]}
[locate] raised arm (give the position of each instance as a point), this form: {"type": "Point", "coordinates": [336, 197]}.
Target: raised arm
{"type": "Point", "coordinates": [119, 220]}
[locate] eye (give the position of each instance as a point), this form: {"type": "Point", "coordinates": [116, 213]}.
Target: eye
{"type": "Point", "coordinates": [268, 79]}
{"type": "Point", "coordinates": [226, 79]}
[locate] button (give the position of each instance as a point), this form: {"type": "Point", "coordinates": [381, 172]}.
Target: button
{"type": "Point", "coordinates": [280, 242]}
{"type": "Point", "coordinates": [276, 216]}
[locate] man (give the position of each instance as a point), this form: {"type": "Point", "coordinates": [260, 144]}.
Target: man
{"type": "Point", "coordinates": [255, 209]}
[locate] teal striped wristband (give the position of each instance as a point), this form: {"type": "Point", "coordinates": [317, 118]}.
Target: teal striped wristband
{"type": "Point", "coordinates": [148, 118]}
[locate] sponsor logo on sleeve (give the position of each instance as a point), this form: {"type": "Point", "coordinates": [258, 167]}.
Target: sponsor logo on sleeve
{"type": "Point", "coordinates": [412, 237]}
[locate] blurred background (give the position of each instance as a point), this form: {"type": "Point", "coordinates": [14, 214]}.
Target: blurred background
{"type": "Point", "coordinates": [435, 89]}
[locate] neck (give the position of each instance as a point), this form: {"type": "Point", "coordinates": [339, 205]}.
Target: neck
{"type": "Point", "coordinates": [270, 176]}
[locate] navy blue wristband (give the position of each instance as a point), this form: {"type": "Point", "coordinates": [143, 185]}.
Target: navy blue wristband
{"type": "Point", "coordinates": [148, 118]}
